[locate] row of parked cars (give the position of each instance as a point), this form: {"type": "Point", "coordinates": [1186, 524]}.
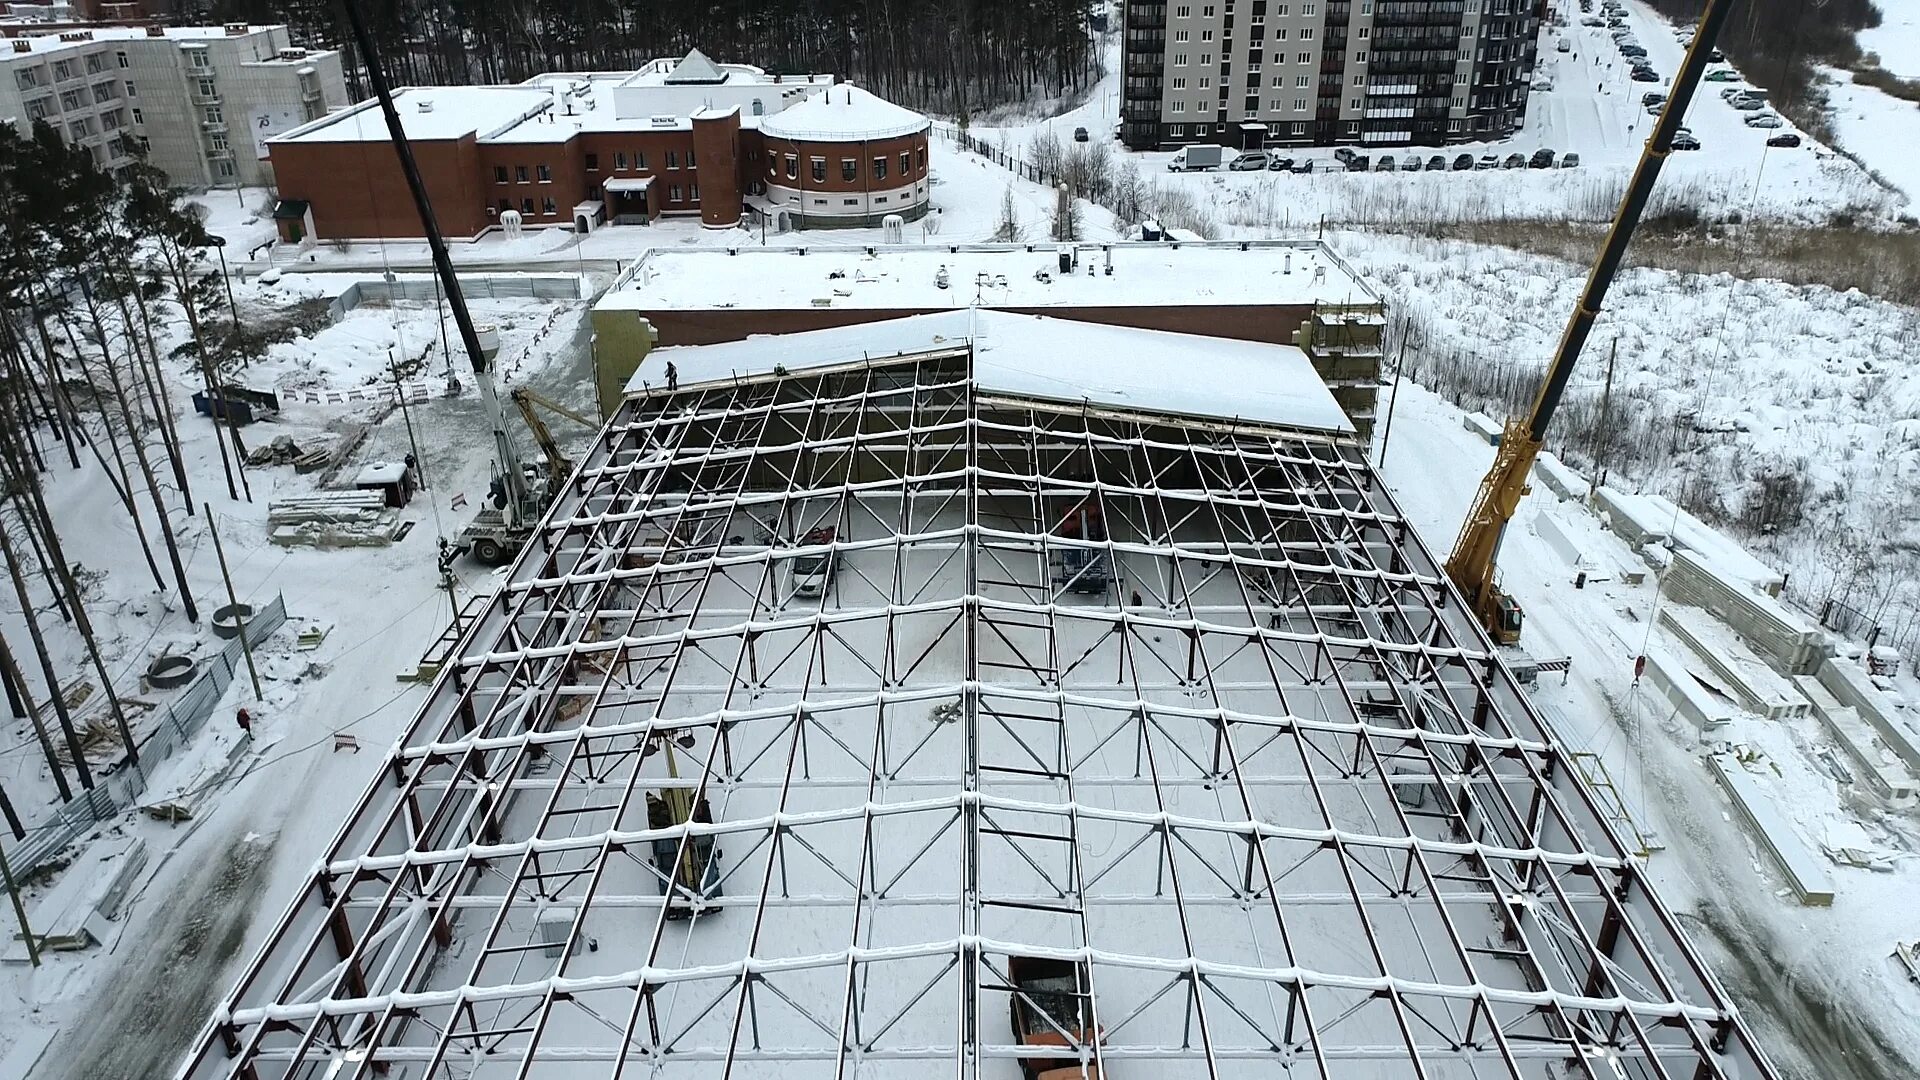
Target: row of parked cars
{"type": "Point", "coordinates": [1347, 159]}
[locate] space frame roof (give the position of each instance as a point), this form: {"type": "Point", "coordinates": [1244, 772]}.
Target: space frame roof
{"type": "Point", "coordinates": [1269, 795]}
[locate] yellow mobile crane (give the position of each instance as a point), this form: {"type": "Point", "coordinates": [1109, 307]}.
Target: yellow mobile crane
{"type": "Point", "coordinates": [558, 464]}
{"type": "Point", "coordinates": [1471, 566]}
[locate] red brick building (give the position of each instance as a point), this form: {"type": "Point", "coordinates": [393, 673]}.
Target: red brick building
{"type": "Point", "coordinates": [580, 151]}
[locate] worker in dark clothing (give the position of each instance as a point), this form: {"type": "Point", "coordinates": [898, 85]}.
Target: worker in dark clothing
{"type": "Point", "coordinates": [673, 377]}
{"type": "Point", "coordinates": [244, 719]}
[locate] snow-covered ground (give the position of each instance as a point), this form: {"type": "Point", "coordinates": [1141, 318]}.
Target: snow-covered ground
{"type": "Point", "coordinates": [1818, 982]}
{"type": "Point", "coordinates": [1896, 41]}
{"type": "Point", "coordinates": [1882, 130]}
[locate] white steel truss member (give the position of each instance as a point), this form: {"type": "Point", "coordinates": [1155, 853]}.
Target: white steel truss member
{"type": "Point", "coordinates": [1181, 709]}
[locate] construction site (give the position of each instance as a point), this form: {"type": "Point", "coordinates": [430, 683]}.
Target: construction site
{"type": "Point", "coordinates": [863, 705]}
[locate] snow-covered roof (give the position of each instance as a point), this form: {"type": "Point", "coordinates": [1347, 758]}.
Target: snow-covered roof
{"type": "Point", "coordinates": [1048, 359]}
{"type": "Point", "coordinates": [50, 41]}
{"type": "Point", "coordinates": [843, 112]}
{"type": "Point", "coordinates": [696, 68]}
{"type": "Point", "coordinates": [907, 278]}
{"type": "Point", "coordinates": [428, 113]}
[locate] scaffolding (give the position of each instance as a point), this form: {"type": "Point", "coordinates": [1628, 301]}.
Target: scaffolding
{"type": "Point", "coordinates": [1263, 803]}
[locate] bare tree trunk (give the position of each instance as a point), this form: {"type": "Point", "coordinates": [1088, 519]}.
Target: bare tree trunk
{"type": "Point", "coordinates": [156, 391]}
{"type": "Point", "coordinates": [50, 361]}
{"type": "Point", "coordinates": [46, 659]}
{"type": "Point", "coordinates": [125, 490]}
{"type": "Point", "coordinates": [153, 489]}
{"type": "Point", "coordinates": [18, 683]}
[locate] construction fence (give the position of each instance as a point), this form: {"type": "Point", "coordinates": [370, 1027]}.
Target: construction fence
{"type": "Point", "coordinates": [118, 787]}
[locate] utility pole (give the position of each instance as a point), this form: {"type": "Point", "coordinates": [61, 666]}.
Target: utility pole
{"type": "Point", "coordinates": [400, 394]}
{"type": "Point", "coordinates": [1606, 433]}
{"type": "Point", "coordinates": [19, 910]}
{"type": "Point", "coordinates": [1399, 365]}
{"type": "Point", "coordinates": [246, 647]}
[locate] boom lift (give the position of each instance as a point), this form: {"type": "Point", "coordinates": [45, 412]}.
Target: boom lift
{"type": "Point", "coordinates": [1471, 566]}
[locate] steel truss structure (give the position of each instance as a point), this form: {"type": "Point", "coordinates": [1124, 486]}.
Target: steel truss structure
{"type": "Point", "coordinates": [1269, 794]}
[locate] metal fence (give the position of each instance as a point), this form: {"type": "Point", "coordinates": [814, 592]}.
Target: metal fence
{"type": "Point", "coordinates": [120, 786]}
{"type": "Point", "coordinates": [475, 286]}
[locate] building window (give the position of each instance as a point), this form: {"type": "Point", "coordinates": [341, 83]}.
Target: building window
{"type": "Point", "coordinates": [1359, 58]}
{"type": "Point", "coordinates": [923, 157]}
{"type": "Point", "coordinates": [1279, 33]}
{"type": "Point", "coordinates": [879, 198]}
{"type": "Point", "coordinates": [819, 170]}
{"type": "Point", "coordinates": [62, 69]}
{"type": "Point", "coordinates": [1353, 103]}
{"type": "Point", "coordinates": [206, 87]}
{"type": "Point", "coordinates": [1206, 35]}
{"type": "Point", "coordinates": [673, 193]}
{"type": "Point", "coordinates": [673, 159]}
{"type": "Point", "coordinates": [1309, 9]}
{"type": "Point", "coordinates": [1206, 82]}
{"type": "Point", "coordinates": [1179, 59]}
{"type": "Point", "coordinates": [198, 58]}
{"type": "Point", "coordinates": [137, 118]}
{"type": "Point", "coordinates": [146, 144]}
{"type": "Point", "coordinates": [96, 63]}
{"type": "Point", "coordinates": [215, 116]}
{"type": "Point", "coordinates": [1206, 59]}
{"type": "Point", "coordinates": [1306, 58]}
{"type": "Point", "coordinates": [1179, 106]}
{"type": "Point", "coordinates": [593, 162]}
{"type": "Point", "coordinates": [849, 202]}
{"type": "Point", "coordinates": [1179, 82]}
{"type": "Point", "coordinates": [519, 174]}
{"type": "Point", "coordinates": [906, 163]}
{"type": "Point", "coordinates": [219, 144]}
{"type": "Point", "coordinates": [1183, 12]}
{"type": "Point", "coordinates": [759, 107]}
{"type": "Point", "coordinates": [793, 167]}
{"type": "Point", "coordinates": [122, 58]}
{"type": "Point", "coordinates": [544, 174]}
{"type": "Point", "coordinates": [693, 192]}
{"type": "Point", "coordinates": [1306, 33]}
{"type": "Point", "coordinates": [526, 207]}
{"type": "Point", "coordinates": [1176, 131]}
{"type": "Point", "coordinates": [223, 168]}
{"type": "Point", "coordinates": [691, 164]}
{"type": "Point", "coordinates": [879, 168]}
{"type": "Point", "coordinates": [104, 92]}
{"type": "Point", "coordinates": [131, 92]}
{"type": "Point", "coordinates": [548, 208]}
{"type": "Point", "coordinates": [1299, 104]}
{"type": "Point", "coordinates": [1180, 37]}
{"type": "Point", "coordinates": [849, 170]}
{"type": "Point", "coordinates": [640, 160]}
{"type": "Point", "coordinates": [499, 174]}
{"type": "Point", "coordinates": [1364, 31]}
{"type": "Point", "coordinates": [619, 161]}
{"type": "Point", "coordinates": [505, 206]}
{"type": "Point", "coordinates": [1300, 82]}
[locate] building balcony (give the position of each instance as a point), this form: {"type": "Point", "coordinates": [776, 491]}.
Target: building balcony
{"type": "Point", "coordinates": [213, 126]}
{"type": "Point", "coordinates": [1138, 64]}
{"type": "Point", "coordinates": [199, 98]}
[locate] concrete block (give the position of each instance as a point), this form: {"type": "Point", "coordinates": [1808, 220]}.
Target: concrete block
{"type": "Point", "coordinates": [1858, 742]}
{"type": "Point", "coordinates": [1480, 425]}
{"type": "Point", "coordinates": [1671, 675]}
{"type": "Point", "coordinates": [1789, 641]}
{"type": "Point", "coordinates": [1746, 676]}
{"type": "Point", "coordinates": [1806, 874]}
{"type": "Point", "coordinates": [1850, 683]}
{"type": "Point", "coordinates": [1556, 477]}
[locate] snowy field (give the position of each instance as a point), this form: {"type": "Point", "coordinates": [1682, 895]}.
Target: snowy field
{"type": "Point", "coordinates": [1896, 41]}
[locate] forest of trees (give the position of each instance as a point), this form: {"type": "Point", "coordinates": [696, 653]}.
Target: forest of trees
{"type": "Point", "coordinates": [948, 56]}
{"type": "Point", "coordinates": [92, 266]}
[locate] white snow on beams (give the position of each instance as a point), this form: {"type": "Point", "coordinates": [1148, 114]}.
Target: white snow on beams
{"type": "Point", "coordinates": [1059, 360]}
{"type": "Point", "coordinates": [907, 277]}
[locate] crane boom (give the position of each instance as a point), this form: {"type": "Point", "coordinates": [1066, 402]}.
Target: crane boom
{"type": "Point", "coordinates": [512, 477]}
{"type": "Point", "coordinates": [1471, 566]}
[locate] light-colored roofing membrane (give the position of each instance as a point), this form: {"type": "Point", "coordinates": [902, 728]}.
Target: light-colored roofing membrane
{"type": "Point", "coordinates": [1269, 793]}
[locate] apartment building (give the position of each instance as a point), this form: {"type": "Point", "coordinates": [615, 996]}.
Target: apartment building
{"type": "Point", "coordinates": [199, 101]}
{"type": "Point", "coordinates": [1254, 73]}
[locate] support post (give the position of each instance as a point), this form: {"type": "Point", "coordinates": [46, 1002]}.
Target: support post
{"type": "Point", "coordinates": [19, 910]}
{"type": "Point", "coordinates": [246, 647]}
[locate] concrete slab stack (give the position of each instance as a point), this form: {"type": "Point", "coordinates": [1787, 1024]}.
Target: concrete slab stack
{"type": "Point", "coordinates": [1787, 640]}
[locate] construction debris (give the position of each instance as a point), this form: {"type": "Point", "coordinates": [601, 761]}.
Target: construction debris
{"type": "Point", "coordinates": [333, 519]}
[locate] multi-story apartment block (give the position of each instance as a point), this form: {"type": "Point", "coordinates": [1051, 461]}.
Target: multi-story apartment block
{"type": "Point", "coordinates": [1253, 73]}
{"type": "Point", "coordinates": [199, 101]}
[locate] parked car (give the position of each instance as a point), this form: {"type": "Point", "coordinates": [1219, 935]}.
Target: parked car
{"type": "Point", "coordinates": [1569, 160]}
{"type": "Point", "coordinates": [1728, 93]}
{"type": "Point", "coordinates": [1437, 163]}
{"type": "Point", "coordinates": [1343, 154]}
{"type": "Point", "coordinates": [1543, 84]}
{"type": "Point", "coordinates": [1645, 74]}
{"type": "Point", "coordinates": [1652, 97]}
{"type": "Point", "coordinates": [1487, 161]}
{"type": "Point", "coordinates": [1595, 21]}
{"type": "Point", "coordinates": [1411, 164]}
{"type": "Point", "coordinates": [1279, 164]}
{"type": "Point", "coordinates": [1541, 159]}
{"type": "Point", "coordinates": [1462, 163]}
{"type": "Point", "coordinates": [1200, 157]}
{"type": "Point", "coordinates": [1785, 139]}
{"type": "Point", "coordinates": [1563, 45]}
{"type": "Point", "coordinates": [1717, 56]}
{"type": "Point", "coordinates": [1722, 75]}
{"type": "Point", "coordinates": [1384, 164]}
{"type": "Point", "coordinates": [1765, 120]}
{"type": "Point", "coordinates": [1248, 161]}
{"type": "Point", "coordinates": [1634, 52]}
{"type": "Point", "coordinates": [1514, 161]}
{"type": "Point", "coordinates": [1654, 109]}
{"type": "Point", "coordinates": [1358, 163]}
{"type": "Point", "coordinates": [1303, 165]}
{"type": "Point", "coordinates": [1685, 141]}
{"type": "Point", "coordinates": [811, 574]}
{"type": "Point", "coordinates": [1079, 134]}
{"type": "Point", "coordinates": [1747, 103]}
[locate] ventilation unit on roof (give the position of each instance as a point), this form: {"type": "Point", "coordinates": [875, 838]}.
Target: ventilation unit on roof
{"type": "Point", "coordinates": [665, 121]}
{"type": "Point", "coordinates": [77, 35]}
{"type": "Point", "coordinates": [293, 54]}
{"type": "Point", "coordinates": [425, 106]}
{"type": "Point", "coordinates": [156, 31]}
{"type": "Point", "coordinates": [22, 45]}
{"type": "Point", "coordinates": [235, 28]}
